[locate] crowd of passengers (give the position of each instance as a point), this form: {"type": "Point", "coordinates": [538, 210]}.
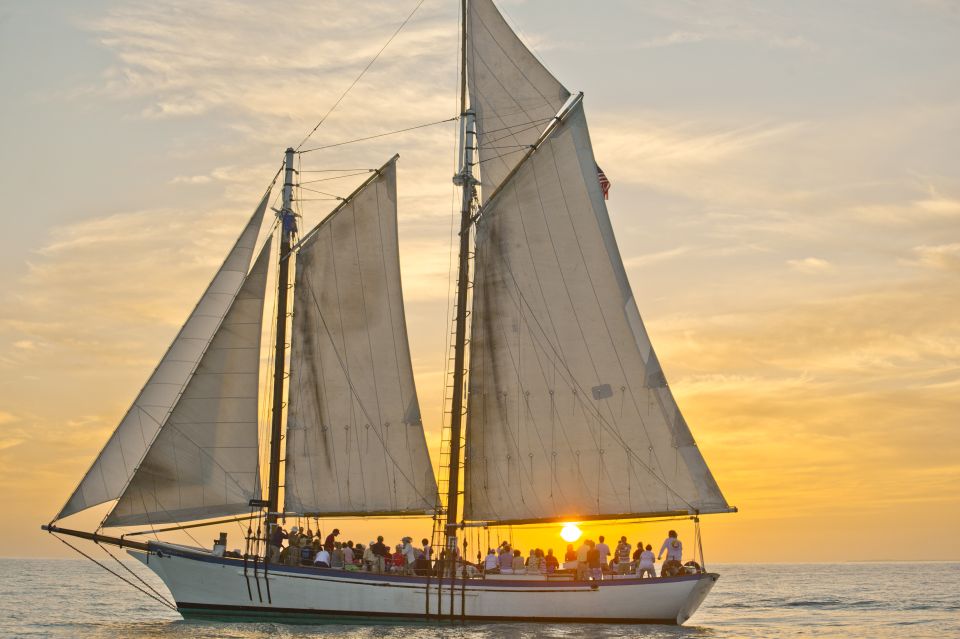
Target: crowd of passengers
{"type": "Point", "coordinates": [590, 561]}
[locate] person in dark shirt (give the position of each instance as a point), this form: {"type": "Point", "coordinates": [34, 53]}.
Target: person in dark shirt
{"type": "Point", "coordinates": [550, 561]}
{"type": "Point", "coordinates": [593, 560]}
{"type": "Point", "coordinates": [331, 540]}
{"type": "Point", "coordinates": [277, 535]}
{"type": "Point", "coordinates": [571, 553]}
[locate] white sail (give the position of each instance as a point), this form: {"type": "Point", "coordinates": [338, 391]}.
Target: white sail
{"type": "Point", "coordinates": [513, 96]}
{"type": "Point", "coordinates": [114, 466]}
{"type": "Point", "coordinates": [569, 412]}
{"type": "Point", "coordinates": [203, 462]}
{"type": "Point", "coordinates": [355, 440]}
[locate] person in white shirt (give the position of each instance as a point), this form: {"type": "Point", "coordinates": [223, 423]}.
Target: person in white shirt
{"type": "Point", "coordinates": [673, 546]}
{"type": "Point", "coordinates": [645, 565]}
{"type": "Point", "coordinates": [604, 551]}
{"type": "Point", "coordinates": [409, 554]}
{"type": "Point", "coordinates": [491, 562]}
{"type": "Point", "coordinates": [323, 559]}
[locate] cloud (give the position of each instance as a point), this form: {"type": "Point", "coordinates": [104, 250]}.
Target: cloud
{"type": "Point", "coordinates": [944, 257]}
{"type": "Point", "coordinates": [810, 265]}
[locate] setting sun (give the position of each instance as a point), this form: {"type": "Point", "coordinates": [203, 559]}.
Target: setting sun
{"type": "Point", "coordinates": [570, 533]}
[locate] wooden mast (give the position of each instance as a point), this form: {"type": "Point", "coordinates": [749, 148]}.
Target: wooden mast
{"type": "Point", "coordinates": [465, 180]}
{"type": "Point", "coordinates": [287, 226]}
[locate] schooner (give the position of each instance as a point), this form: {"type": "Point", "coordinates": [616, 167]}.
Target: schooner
{"type": "Point", "coordinates": [558, 398]}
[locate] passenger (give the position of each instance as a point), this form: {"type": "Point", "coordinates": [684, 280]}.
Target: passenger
{"type": "Point", "coordinates": [582, 560]}
{"type": "Point", "coordinates": [551, 562]}
{"type": "Point", "coordinates": [604, 551]}
{"type": "Point", "coordinates": [645, 565]}
{"type": "Point", "coordinates": [427, 549]}
{"type": "Point", "coordinates": [673, 546]}
{"type": "Point", "coordinates": [593, 562]}
{"type": "Point", "coordinates": [322, 559]}
{"type": "Point", "coordinates": [336, 557]}
{"type": "Point", "coordinates": [622, 554]}
{"type": "Point", "coordinates": [409, 555]}
{"type": "Point", "coordinates": [506, 559]}
{"type": "Point", "coordinates": [372, 563]}
{"type": "Point", "coordinates": [541, 562]}
{"type": "Point", "coordinates": [638, 551]}
{"type": "Point", "coordinates": [533, 563]}
{"type": "Point", "coordinates": [424, 559]}
{"type": "Point", "coordinates": [571, 553]}
{"type": "Point", "coordinates": [490, 563]}
{"type": "Point", "coordinates": [517, 563]}
{"type": "Point", "coordinates": [348, 559]}
{"type": "Point", "coordinates": [381, 556]}
{"type": "Point", "coordinates": [292, 557]}
{"type": "Point", "coordinates": [396, 564]}
{"type": "Point", "coordinates": [331, 539]}
{"type": "Point", "coordinates": [277, 535]}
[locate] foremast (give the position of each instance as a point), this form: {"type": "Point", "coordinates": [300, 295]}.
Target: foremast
{"type": "Point", "coordinates": [467, 183]}
{"type": "Point", "coordinates": [287, 228]}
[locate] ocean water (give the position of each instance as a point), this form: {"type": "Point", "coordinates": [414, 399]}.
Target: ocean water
{"type": "Point", "coordinates": [74, 598]}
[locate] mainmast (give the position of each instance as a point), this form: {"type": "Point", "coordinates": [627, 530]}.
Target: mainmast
{"type": "Point", "coordinates": [465, 180]}
{"type": "Point", "coordinates": [287, 227]}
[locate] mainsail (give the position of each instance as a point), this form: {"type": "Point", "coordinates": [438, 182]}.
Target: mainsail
{"type": "Point", "coordinates": [355, 440]}
{"type": "Point", "coordinates": [113, 468]}
{"type": "Point", "coordinates": [203, 462]}
{"type": "Point", "coordinates": [570, 416]}
{"type": "Point", "coordinates": [513, 96]}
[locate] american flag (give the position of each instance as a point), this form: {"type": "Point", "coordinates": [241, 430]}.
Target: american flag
{"type": "Point", "coordinates": [604, 183]}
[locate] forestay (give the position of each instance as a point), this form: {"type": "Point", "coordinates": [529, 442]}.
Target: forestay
{"type": "Point", "coordinates": [114, 466]}
{"type": "Point", "coordinates": [513, 96]}
{"type": "Point", "coordinates": [569, 412]}
{"type": "Point", "coordinates": [355, 440]}
{"type": "Point", "coordinates": [203, 462]}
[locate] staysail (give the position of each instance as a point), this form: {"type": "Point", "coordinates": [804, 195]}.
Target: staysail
{"type": "Point", "coordinates": [355, 440]}
{"type": "Point", "coordinates": [203, 462]}
{"type": "Point", "coordinates": [569, 412]}
{"type": "Point", "coordinates": [115, 465]}
{"type": "Point", "coordinates": [513, 96]}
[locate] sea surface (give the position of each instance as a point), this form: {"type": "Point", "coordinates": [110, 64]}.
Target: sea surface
{"type": "Point", "coordinates": [75, 598]}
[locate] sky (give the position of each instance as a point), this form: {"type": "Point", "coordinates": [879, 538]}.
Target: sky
{"type": "Point", "coordinates": [785, 192]}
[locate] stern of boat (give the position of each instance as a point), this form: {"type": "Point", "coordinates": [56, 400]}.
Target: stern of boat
{"type": "Point", "coordinates": [697, 595]}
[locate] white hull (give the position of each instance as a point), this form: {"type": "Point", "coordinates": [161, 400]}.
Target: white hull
{"type": "Point", "coordinates": [209, 587]}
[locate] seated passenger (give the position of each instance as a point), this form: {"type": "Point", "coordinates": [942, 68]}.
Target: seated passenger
{"type": "Point", "coordinates": [336, 557]}
{"type": "Point", "coordinates": [517, 563]}
{"type": "Point", "coordinates": [645, 565]}
{"type": "Point", "coordinates": [550, 562]}
{"type": "Point", "coordinates": [571, 553]}
{"type": "Point", "coordinates": [490, 563]}
{"type": "Point", "coordinates": [506, 559]}
{"type": "Point", "coordinates": [322, 559]}
{"type": "Point", "coordinates": [396, 564]}
{"type": "Point", "coordinates": [532, 562]}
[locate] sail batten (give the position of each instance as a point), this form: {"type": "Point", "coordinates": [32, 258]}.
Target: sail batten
{"type": "Point", "coordinates": [114, 467]}
{"type": "Point", "coordinates": [204, 461]}
{"type": "Point", "coordinates": [355, 440]}
{"type": "Point", "coordinates": [569, 410]}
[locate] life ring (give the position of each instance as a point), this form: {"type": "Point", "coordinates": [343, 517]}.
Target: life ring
{"type": "Point", "coordinates": [692, 568]}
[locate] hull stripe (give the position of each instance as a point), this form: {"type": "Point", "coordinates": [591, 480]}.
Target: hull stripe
{"type": "Point", "coordinates": [298, 615]}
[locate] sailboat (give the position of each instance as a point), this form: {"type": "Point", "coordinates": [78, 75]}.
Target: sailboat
{"type": "Point", "coordinates": [560, 410]}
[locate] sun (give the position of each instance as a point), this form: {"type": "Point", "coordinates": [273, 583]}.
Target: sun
{"type": "Point", "coordinates": [570, 533]}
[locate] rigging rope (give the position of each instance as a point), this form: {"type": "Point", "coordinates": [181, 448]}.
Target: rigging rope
{"type": "Point", "coordinates": [115, 574]}
{"type": "Point", "coordinates": [378, 135]}
{"type": "Point", "coordinates": [362, 73]}
{"type": "Point", "coordinates": [127, 568]}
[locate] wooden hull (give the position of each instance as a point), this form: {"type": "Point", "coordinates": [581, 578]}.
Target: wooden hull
{"type": "Point", "coordinates": [208, 587]}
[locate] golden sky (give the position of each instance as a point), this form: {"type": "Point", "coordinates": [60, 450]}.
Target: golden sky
{"type": "Point", "coordinates": [786, 196]}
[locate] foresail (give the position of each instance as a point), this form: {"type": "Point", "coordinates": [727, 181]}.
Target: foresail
{"type": "Point", "coordinates": [114, 466]}
{"type": "Point", "coordinates": [355, 440]}
{"type": "Point", "coordinates": [569, 412]}
{"type": "Point", "coordinates": [513, 96]}
{"type": "Point", "coordinates": [203, 462]}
